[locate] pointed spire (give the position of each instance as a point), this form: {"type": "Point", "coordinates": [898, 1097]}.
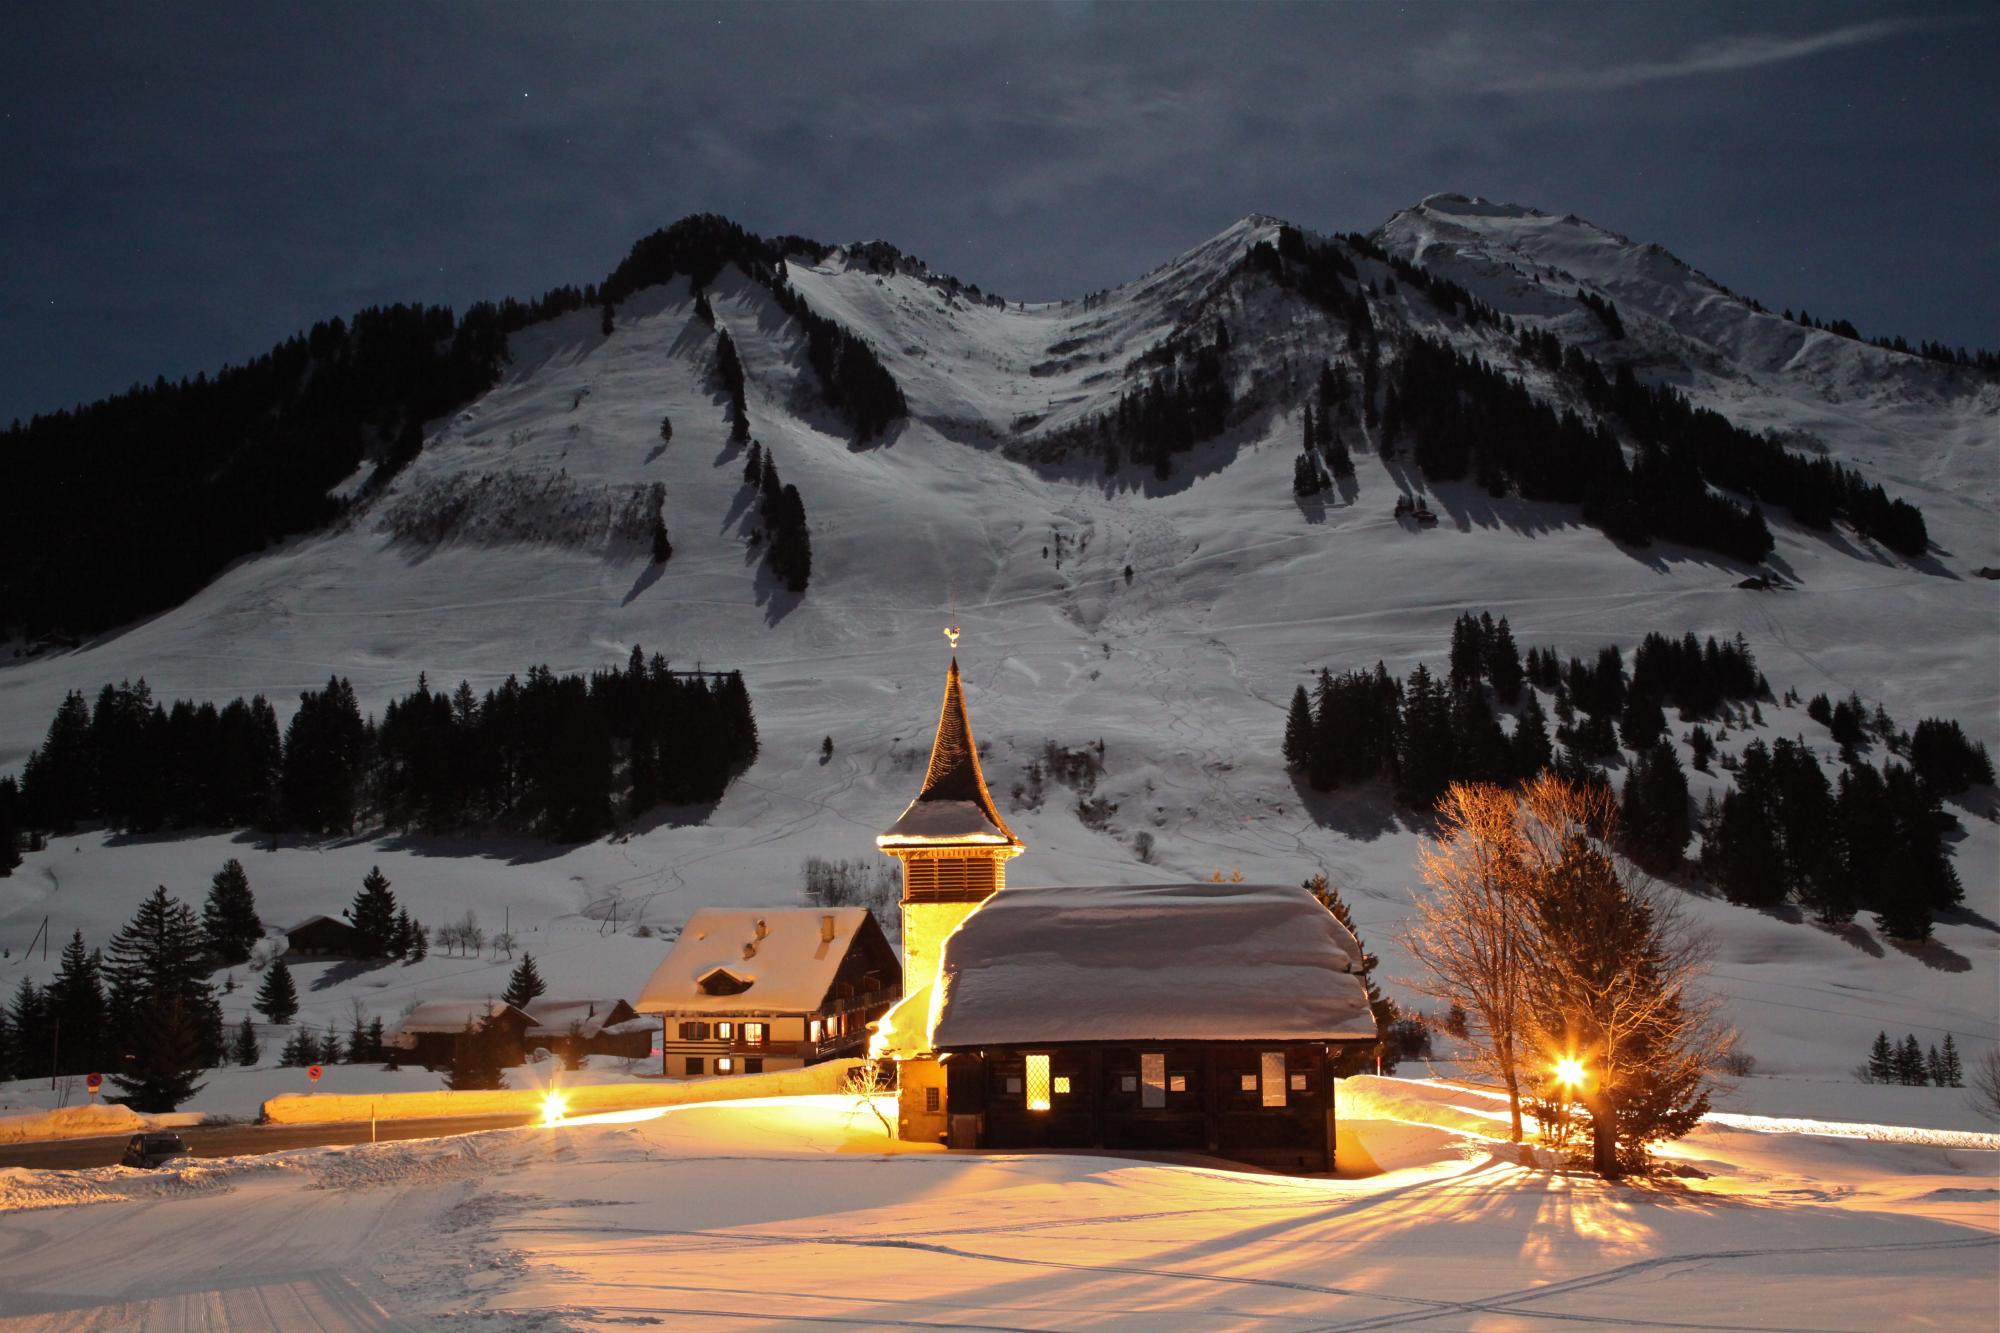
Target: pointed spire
{"type": "Point", "coordinates": [953, 804]}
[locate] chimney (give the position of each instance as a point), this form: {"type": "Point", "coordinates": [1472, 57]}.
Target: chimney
{"type": "Point", "coordinates": [763, 929]}
{"type": "Point", "coordinates": [826, 928]}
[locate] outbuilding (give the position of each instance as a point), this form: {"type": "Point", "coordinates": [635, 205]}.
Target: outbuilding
{"type": "Point", "coordinates": [590, 1027]}
{"type": "Point", "coordinates": [431, 1031]}
{"type": "Point", "coordinates": [323, 937]}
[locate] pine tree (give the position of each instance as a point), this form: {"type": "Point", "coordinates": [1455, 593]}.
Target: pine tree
{"type": "Point", "coordinates": [663, 548]}
{"type": "Point", "coordinates": [158, 961]}
{"type": "Point", "coordinates": [29, 1019]}
{"type": "Point", "coordinates": [666, 430]}
{"type": "Point", "coordinates": [1503, 663]}
{"type": "Point", "coordinates": [1654, 813]}
{"type": "Point", "coordinates": [1910, 1061]}
{"type": "Point", "coordinates": [376, 1045]}
{"type": "Point", "coordinates": [329, 1047]}
{"type": "Point", "coordinates": [525, 984]}
{"type": "Point", "coordinates": [420, 942]}
{"type": "Point", "coordinates": [1934, 1067]}
{"type": "Point", "coordinates": [229, 924]}
{"type": "Point", "coordinates": [245, 1051]}
{"type": "Point", "coordinates": [1298, 730]}
{"type": "Point", "coordinates": [76, 1007]}
{"type": "Point", "coordinates": [403, 940]}
{"type": "Point", "coordinates": [165, 1049]}
{"type": "Point", "coordinates": [374, 915]}
{"type": "Point", "coordinates": [1424, 756]}
{"type": "Point", "coordinates": [1953, 1071]}
{"type": "Point", "coordinates": [1381, 1006]}
{"type": "Point", "coordinates": [1882, 1060]}
{"type": "Point", "coordinates": [753, 464]}
{"type": "Point", "coordinates": [1532, 752]}
{"type": "Point", "coordinates": [56, 782]}
{"type": "Point", "coordinates": [10, 825]}
{"type": "Point", "coordinates": [277, 998]}
{"type": "Point", "coordinates": [475, 1061]}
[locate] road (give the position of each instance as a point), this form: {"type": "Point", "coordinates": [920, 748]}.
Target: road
{"type": "Point", "coordinates": [242, 1140]}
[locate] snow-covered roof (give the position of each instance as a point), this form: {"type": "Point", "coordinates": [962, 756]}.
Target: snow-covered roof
{"type": "Point", "coordinates": [1148, 962]}
{"type": "Point", "coordinates": [953, 806]}
{"type": "Point", "coordinates": [789, 965]}
{"type": "Point", "coordinates": [554, 1018]}
{"type": "Point", "coordinates": [315, 920]}
{"type": "Point", "coordinates": [451, 1015]}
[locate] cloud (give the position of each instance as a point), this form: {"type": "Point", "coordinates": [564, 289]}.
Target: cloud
{"type": "Point", "coordinates": [1724, 55]}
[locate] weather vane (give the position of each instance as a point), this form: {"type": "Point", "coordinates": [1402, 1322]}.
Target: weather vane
{"type": "Point", "coordinates": [951, 633]}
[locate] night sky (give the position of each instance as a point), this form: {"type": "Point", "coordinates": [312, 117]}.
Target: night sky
{"type": "Point", "coordinates": [182, 186]}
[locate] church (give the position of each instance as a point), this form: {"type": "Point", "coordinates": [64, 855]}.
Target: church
{"type": "Point", "coordinates": [1194, 1017]}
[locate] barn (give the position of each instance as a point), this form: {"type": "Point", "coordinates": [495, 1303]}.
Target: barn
{"type": "Point", "coordinates": [323, 937]}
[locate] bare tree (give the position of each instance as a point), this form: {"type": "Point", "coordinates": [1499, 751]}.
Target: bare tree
{"type": "Point", "coordinates": [1986, 1084]}
{"type": "Point", "coordinates": [1470, 930]}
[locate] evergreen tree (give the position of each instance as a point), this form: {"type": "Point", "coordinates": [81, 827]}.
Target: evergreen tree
{"type": "Point", "coordinates": [1910, 1061]}
{"type": "Point", "coordinates": [1298, 730]}
{"type": "Point", "coordinates": [403, 941]}
{"type": "Point", "coordinates": [1503, 663]}
{"type": "Point", "coordinates": [1882, 1060]}
{"type": "Point", "coordinates": [1532, 752]}
{"type": "Point", "coordinates": [525, 984]}
{"type": "Point", "coordinates": [229, 924]}
{"type": "Point", "coordinates": [1934, 1067]}
{"type": "Point", "coordinates": [475, 1060]}
{"type": "Point", "coordinates": [1424, 756]}
{"type": "Point", "coordinates": [10, 826]}
{"type": "Point", "coordinates": [1642, 722]}
{"type": "Point", "coordinates": [56, 782]}
{"type": "Point", "coordinates": [157, 963]}
{"type": "Point", "coordinates": [278, 998]}
{"type": "Point", "coordinates": [329, 1047]}
{"type": "Point", "coordinates": [376, 1042]}
{"type": "Point", "coordinates": [1701, 746]}
{"type": "Point", "coordinates": [1654, 810]}
{"type": "Point", "coordinates": [420, 942]}
{"type": "Point", "coordinates": [666, 430]}
{"type": "Point", "coordinates": [75, 1007]}
{"type": "Point", "coordinates": [374, 915]}
{"type": "Point", "coordinates": [663, 548]}
{"type": "Point", "coordinates": [606, 326]}
{"type": "Point", "coordinates": [1949, 1065]}
{"type": "Point", "coordinates": [166, 1047]}
{"type": "Point", "coordinates": [245, 1051]}
{"type": "Point", "coordinates": [1381, 1006]}
{"type": "Point", "coordinates": [753, 464]}
{"type": "Point", "coordinates": [9, 1054]}
{"type": "Point", "coordinates": [29, 1021]}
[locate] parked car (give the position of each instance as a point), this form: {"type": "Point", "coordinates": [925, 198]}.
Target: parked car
{"type": "Point", "coordinates": [151, 1150]}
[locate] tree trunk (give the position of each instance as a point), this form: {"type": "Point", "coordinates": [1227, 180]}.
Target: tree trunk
{"type": "Point", "coordinates": [1513, 1090]}
{"type": "Point", "coordinates": [1604, 1136]}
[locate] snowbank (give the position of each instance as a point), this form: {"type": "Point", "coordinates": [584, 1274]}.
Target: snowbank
{"type": "Point", "coordinates": [87, 1121]}
{"type": "Point", "coordinates": [581, 1099]}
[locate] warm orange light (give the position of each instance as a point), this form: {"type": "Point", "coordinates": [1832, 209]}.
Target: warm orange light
{"type": "Point", "coordinates": [553, 1107]}
{"type": "Point", "coordinates": [952, 634]}
{"type": "Point", "coordinates": [1569, 1071]}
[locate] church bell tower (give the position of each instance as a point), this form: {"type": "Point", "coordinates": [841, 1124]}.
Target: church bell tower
{"type": "Point", "coordinates": [952, 842]}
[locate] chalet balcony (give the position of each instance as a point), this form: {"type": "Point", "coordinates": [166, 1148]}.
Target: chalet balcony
{"type": "Point", "coordinates": [873, 999]}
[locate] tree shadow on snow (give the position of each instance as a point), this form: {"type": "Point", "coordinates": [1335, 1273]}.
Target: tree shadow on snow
{"type": "Point", "coordinates": [1364, 812]}
{"type": "Point", "coordinates": [647, 578]}
{"type": "Point", "coordinates": [345, 971]}
{"type": "Point", "coordinates": [1856, 936]}
{"type": "Point", "coordinates": [1934, 954]}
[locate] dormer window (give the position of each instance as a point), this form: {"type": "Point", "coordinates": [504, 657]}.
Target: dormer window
{"type": "Point", "coordinates": [723, 982]}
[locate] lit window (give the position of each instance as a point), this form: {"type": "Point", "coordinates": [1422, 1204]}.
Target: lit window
{"type": "Point", "coordinates": [1153, 1070]}
{"type": "Point", "coordinates": [753, 1034]}
{"type": "Point", "coordinates": [814, 1029]}
{"type": "Point", "coordinates": [1249, 1083]}
{"type": "Point", "coordinates": [1177, 1083]}
{"type": "Point", "coordinates": [1298, 1083]}
{"type": "Point", "coordinates": [724, 1031]}
{"type": "Point", "coordinates": [725, 1065]}
{"type": "Point", "coordinates": [1038, 1083]}
{"type": "Point", "coordinates": [1061, 1082]}
{"type": "Point", "coordinates": [1273, 1065]}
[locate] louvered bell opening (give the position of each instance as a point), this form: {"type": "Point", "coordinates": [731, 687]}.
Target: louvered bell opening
{"type": "Point", "coordinates": [950, 879]}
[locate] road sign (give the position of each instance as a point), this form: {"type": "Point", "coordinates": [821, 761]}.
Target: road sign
{"type": "Point", "coordinates": [312, 1072]}
{"type": "Point", "coordinates": [93, 1082]}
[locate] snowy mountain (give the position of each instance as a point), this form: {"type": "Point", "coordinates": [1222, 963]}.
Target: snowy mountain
{"type": "Point", "coordinates": [515, 537]}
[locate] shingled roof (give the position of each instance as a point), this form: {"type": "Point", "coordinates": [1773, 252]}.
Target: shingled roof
{"type": "Point", "coordinates": [954, 805]}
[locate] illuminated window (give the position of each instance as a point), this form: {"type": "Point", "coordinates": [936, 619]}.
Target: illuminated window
{"type": "Point", "coordinates": [1177, 1082]}
{"type": "Point", "coordinates": [1273, 1064]}
{"type": "Point", "coordinates": [1298, 1083]}
{"type": "Point", "coordinates": [1038, 1083]}
{"type": "Point", "coordinates": [753, 1033]}
{"type": "Point", "coordinates": [1249, 1083]}
{"type": "Point", "coordinates": [724, 1031]}
{"type": "Point", "coordinates": [814, 1030]}
{"type": "Point", "coordinates": [1061, 1082]}
{"type": "Point", "coordinates": [725, 1065]}
{"type": "Point", "coordinates": [1153, 1070]}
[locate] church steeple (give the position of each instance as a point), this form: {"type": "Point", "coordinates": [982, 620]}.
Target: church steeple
{"type": "Point", "coordinates": [951, 839]}
{"type": "Point", "coordinates": [953, 805]}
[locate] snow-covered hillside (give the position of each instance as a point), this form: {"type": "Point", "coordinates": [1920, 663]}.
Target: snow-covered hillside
{"type": "Point", "coordinates": [1236, 592]}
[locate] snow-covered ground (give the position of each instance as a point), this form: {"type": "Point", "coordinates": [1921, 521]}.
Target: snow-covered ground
{"type": "Point", "coordinates": [1237, 593]}
{"type": "Point", "coordinates": [754, 1214]}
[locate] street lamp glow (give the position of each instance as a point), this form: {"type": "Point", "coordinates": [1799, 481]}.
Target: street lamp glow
{"type": "Point", "coordinates": [553, 1107]}
{"type": "Point", "coordinates": [1569, 1071]}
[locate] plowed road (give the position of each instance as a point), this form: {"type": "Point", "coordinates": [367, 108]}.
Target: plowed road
{"type": "Point", "coordinates": [242, 1140]}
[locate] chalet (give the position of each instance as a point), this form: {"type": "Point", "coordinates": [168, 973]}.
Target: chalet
{"type": "Point", "coordinates": [1200, 1017]}
{"type": "Point", "coordinates": [432, 1030]}
{"type": "Point", "coordinates": [323, 937]}
{"type": "Point", "coordinates": [590, 1027]}
{"type": "Point", "coordinates": [752, 990]}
